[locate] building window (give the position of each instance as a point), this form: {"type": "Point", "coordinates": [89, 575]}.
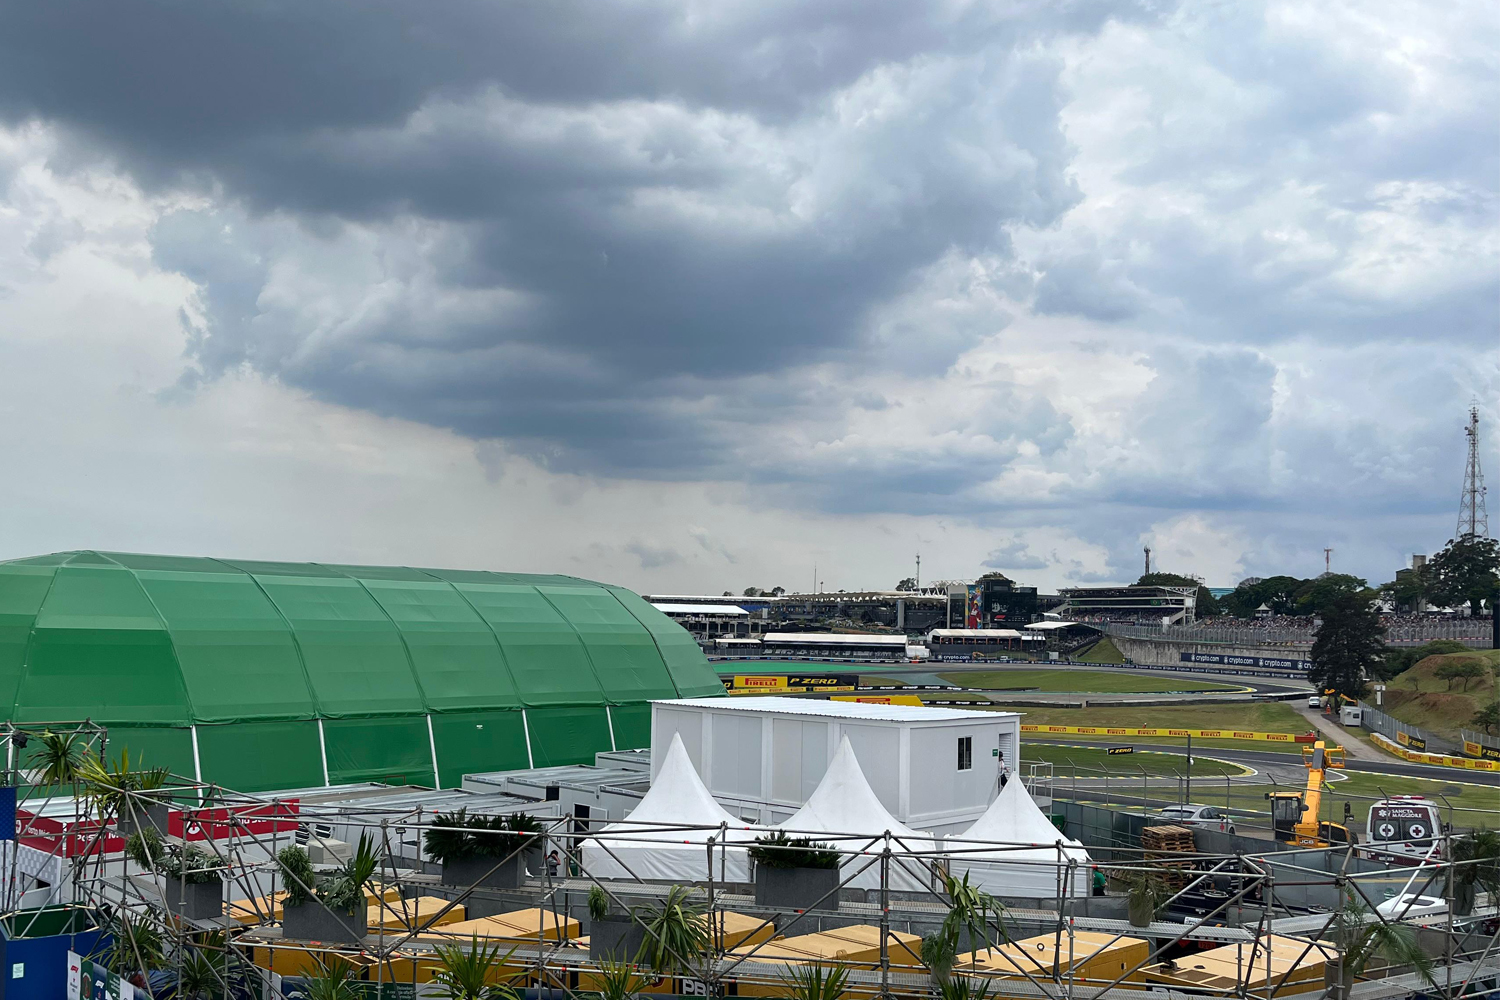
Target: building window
{"type": "Point", "coordinates": [965, 753]}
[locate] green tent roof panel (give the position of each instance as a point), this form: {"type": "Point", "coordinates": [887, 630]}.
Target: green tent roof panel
{"type": "Point", "coordinates": [267, 675]}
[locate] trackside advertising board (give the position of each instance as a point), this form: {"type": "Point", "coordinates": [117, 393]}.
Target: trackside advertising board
{"type": "Point", "coordinates": [1262, 662]}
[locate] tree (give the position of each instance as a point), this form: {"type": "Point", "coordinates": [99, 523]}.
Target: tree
{"type": "Point", "coordinates": [996, 575]}
{"type": "Point", "coordinates": [1279, 593]}
{"type": "Point", "coordinates": [1398, 660]}
{"type": "Point", "coordinates": [1348, 647]}
{"type": "Point", "coordinates": [1488, 717]}
{"type": "Point", "coordinates": [1460, 670]}
{"type": "Point", "coordinates": [728, 594]}
{"type": "Point", "coordinates": [778, 591]}
{"type": "Point", "coordinates": [1409, 589]}
{"type": "Point", "coordinates": [1205, 600]}
{"type": "Point", "coordinates": [752, 592]}
{"type": "Point", "coordinates": [907, 584]}
{"type": "Point", "coordinates": [1316, 594]}
{"type": "Point", "coordinates": [1467, 571]}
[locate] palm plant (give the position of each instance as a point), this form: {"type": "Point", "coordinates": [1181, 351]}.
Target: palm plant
{"type": "Point", "coordinates": [676, 932]}
{"type": "Point", "coordinates": [58, 758]}
{"type": "Point", "coordinates": [466, 972]}
{"type": "Point", "coordinates": [618, 979]}
{"type": "Point", "coordinates": [1476, 865]}
{"type": "Point", "coordinates": [202, 975]}
{"type": "Point", "coordinates": [137, 948]}
{"type": "Point", "coordinates": [964, 988]}
{"type": "Point", "coordinates": [334, 982]}
{"type": "Point", "coordinates": [1145, 892]}
{"type": "Point", "coordinates": [344, 890]}
{"type": "Point", "coordinates": [1362, 937]}
{"type": "Point", "coordinates": [939, 951]}
{"type": "Point", "coordinates": [115, 788]}
{"type": "Point", "coordinates": [814, 982]}
{"type": "Point", "coordinates": [205, 970]}
{"type": "Point", "coordinates": [777, 850]}
{"type": "Point", "coordinates": [970, 910]}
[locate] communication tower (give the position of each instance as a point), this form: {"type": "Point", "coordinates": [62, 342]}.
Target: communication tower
{"type": "Point", "coordinates": [1473, 520]}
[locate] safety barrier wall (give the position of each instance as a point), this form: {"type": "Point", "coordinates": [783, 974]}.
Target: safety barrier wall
{"type": "Point", "coordinates": [1214, 734]}
{"type": "Point", "coordinates": [1439, 759]}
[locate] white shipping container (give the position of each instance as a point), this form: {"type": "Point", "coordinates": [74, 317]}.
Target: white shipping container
{"type": "Point", "coordinates": [935, 769]}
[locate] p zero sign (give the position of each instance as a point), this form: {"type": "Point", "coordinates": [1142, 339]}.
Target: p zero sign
{"type": "Point", "coordinates": [1262, 662]}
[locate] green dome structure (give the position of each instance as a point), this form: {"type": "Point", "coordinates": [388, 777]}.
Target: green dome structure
{"type": "Point", "coordinates": [266, 675]}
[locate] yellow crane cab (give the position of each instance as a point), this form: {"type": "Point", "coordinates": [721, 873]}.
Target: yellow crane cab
{"type": "Point", "coordinates": [1294, 815]}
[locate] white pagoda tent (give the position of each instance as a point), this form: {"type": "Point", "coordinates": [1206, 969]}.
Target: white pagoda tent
{"type": "Point", "coordinates": [1037, 868]}
{"type": "Point", "coordinates": [650, 843]}
{"type": "Point", "coordinates": [844, 804]}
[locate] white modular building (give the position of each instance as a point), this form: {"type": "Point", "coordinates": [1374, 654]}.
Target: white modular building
{"type": "Point", "coordinates": [934, 769]}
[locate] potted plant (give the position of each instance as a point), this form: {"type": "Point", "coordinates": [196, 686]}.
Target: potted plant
{"type": "Point", "coordinates": [616, 979]}
{"type": "Point", "coordinates": [795, 873]}
{"type": "Point", "coordinates": [330, 906]}
{"type": "Point", "coordinates": [1360, 937]}
{"type": "Point", "coordinates": [612, 936]}
{"type": "Point", "coordinates": [137, 948]}
{"type": "Point", "coordinates": [1476, 865]}
{"type": "Point", "coordinates": [193, 878]}
{"type": "Point", "coordinates": [813, 982]}
{"type": "Point", "coordinates": [135, 797]}
{"type": "Point", "coordinates": [1145, 892]}
{"type": "Point", "coordinates": [466, 973]}
{"type": "Point", "coordinates": [676, 932]}
{"type": "Point", "coordinates": [482, 850]}
{"type": "Point", "coordinates": [336, 980]}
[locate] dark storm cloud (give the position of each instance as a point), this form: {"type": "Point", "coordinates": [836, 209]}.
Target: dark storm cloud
{"type": "Point", "coordinates": [635, 205]}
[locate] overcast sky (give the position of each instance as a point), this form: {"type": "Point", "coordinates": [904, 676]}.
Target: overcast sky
{"type": "Point", "coordinates": [693, 295]}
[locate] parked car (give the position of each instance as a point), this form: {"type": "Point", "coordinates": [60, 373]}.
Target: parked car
{"type": "Point", "coordinates": [1411, 904]}
{"type": "Point", "coordinates": [1197, 818]}
{"type": "Point", "coordinates": [1313, 701]}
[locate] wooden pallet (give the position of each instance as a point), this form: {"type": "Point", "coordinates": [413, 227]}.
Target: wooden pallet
{"type": "Point", "coordinates": [1167, 840]}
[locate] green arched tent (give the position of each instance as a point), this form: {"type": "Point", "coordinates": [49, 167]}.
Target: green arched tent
{"type": "Point", "coordinates": [263, 675]}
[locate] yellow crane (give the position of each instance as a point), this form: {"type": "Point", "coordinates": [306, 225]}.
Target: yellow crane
{"type": "Point", "coordinates": [1294, 815]}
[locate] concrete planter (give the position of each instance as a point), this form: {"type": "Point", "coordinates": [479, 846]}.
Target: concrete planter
{"type": "Point", "coordinates": [796, 888]}
{"type": "Point", "coordinates": [136, 815]}
{"type": "Point", "coordinates": [312, 921]}
{"type": "Point", "coordinates": [618, 938]}
{"type": "Point", "coordinates": [195, 900]}
{"type": "Point", "coordinates": [476, 871]}
{"type": "Point", "coordinates": [1142, 912]}
{"type": "Point", "coordinates": [1463, 899]}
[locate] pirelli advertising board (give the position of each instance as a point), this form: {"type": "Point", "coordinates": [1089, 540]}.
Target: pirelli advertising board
{"type": "Point", "coordinates": [1479, 750]}
{"type": "Point", "coordinates": [1409, 741]}
{"type": "Point", "coordinates": [789, 683]}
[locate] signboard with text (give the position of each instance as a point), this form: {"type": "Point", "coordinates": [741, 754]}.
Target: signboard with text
{"type": "Point", "coordinates": [1263, 662]}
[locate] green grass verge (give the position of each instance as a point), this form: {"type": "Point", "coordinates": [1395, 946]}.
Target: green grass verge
{"type": "Point", "coordinates": [1078, 682]}
{"type": "Point", "coordinates": [1439, 706]}
{"type": "Point", "coordinates": [1258, 717]}
{"type": "Point", "coordinates": [1091, 762]}
{"type": "Point", "coordinates": [1103, 651]}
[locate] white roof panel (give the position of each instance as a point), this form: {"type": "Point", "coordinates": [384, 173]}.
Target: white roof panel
{"type": "Point", "coordinates": [837, 638]}
{"type": "Point", "coordinates": [1047, 626]}
{"type": "Point", "coordinates": [700, 609]}
{"type": "Point", "coordinates": [977, 633]}
{"type": "Point", "coordinates": [838, 709]}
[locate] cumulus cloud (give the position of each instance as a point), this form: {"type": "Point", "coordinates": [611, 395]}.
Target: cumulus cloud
{"type": "Point", "coordinates": [1020, 279]}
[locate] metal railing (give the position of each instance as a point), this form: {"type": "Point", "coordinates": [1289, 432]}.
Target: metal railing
{"type": "Point", "coordinates": [1472, 632]}
{"type": "Point", "coordinates": [1376, 721]}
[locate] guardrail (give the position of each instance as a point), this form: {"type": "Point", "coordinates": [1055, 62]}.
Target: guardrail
{"type": "Point", "coordinates": [1403, 733]}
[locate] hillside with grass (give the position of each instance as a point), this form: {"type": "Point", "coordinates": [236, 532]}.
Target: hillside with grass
{"type": "Point", "coordinates": [1440, 705]}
